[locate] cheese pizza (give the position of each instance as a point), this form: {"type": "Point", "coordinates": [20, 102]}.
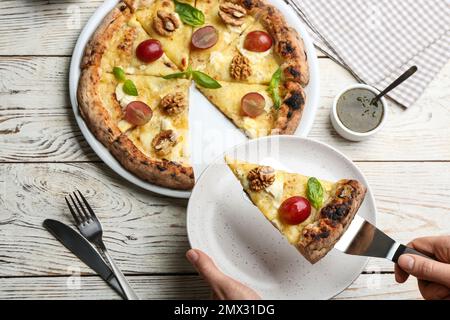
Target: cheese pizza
{"type": "Point", "coordinates": [138, 67]}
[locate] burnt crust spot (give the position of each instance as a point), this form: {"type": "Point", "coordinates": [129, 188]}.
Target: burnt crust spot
{"type": "Point", "coordinates": [248, 4]}
{"type": "Point", "coordinates": [339, 208]}
{"type": "Point", "coordinates": [293, 71]}
{"type": "Point", "coordinates": [295, 101]}
{"type": "Point", "coordinates": [161, 168]}
{"type": "Point", "coordinates": [286, 48]}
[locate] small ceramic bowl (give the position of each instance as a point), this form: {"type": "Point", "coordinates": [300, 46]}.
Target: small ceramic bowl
{"type": "Point", "coordinates": [346, 132]}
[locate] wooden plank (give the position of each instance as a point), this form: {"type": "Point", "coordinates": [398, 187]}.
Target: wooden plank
{"type": "Point", "coordinates": [93, 288]}
{"type": "Point", "coordinates": [36, 123]}
{"type": "Point", "coordinates": [147, 233]}
{"type": "Point", "coordinates": [379, 286]}
{"type": "Point", "coordinates": [44, 27]}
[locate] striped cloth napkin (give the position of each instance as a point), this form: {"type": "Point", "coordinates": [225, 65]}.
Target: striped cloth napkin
{"type": "Point", "coordinates": [377, 40]}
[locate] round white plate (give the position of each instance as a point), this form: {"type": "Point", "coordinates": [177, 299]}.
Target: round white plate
{"type": "Point", "coordinates": [210, 132]}
{"type": "Point", "coordinates": [223, 223]}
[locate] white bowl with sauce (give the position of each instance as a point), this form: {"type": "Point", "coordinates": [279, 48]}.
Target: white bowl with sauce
{"type": "Point", "coordinates": [352, 115]}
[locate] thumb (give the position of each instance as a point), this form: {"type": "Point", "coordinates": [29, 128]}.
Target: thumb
{"type": "Point", "coordinates": [425, 269]}
{"type": "Point", "coordinates": [206, 267]}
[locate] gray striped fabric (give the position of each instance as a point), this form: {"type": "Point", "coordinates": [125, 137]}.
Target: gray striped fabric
{"type": "Point", "coordinates": [377, 40]}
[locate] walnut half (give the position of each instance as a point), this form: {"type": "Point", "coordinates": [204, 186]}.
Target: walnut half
{"type": "Point", "coordinates": [240, 68]}
{"type": "Point", "coordinates": [261, 178]}
{"type": "Point", "coordinates": [174, 103]}
{"type": "Point", "coordinates": [164, 142]}
{"type": "Point", "coordinates": [165, 23]}
{"type": "Point", "coordinates": [232, 13]}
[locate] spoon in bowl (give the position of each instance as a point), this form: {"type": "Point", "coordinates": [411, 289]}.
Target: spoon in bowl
{"type": "Point", "coordinates": [408, 73]}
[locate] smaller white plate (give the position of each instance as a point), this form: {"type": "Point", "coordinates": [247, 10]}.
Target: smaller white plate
{"type": "Point", "coordinates": [223, 223]}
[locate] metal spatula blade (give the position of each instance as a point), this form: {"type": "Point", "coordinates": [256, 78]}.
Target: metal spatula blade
{"type": "Point", "coordinates": [364, 239]}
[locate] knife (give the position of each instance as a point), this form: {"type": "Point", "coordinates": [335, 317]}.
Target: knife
{"type": "Point", "coordinates": [364, 239]}
{"type": "Point", "coordinates": [81, 248]}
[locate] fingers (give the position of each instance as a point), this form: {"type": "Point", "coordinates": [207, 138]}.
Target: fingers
{"type": "Point", "coordinates": [223, 287]}
{"type": "Point", "coordinates": [425, 269]}
{"type": "Point", "coordinates": [438, 247]}
{"type": "Point", "coordinates": [400, 275]}
{"type": "Point", "coordinates": [433, 291]}
{"type": "Point", "coordinates": [206, 267]}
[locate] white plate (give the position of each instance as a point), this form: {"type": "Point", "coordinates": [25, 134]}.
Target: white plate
{"type": "Point", "coordinates": [211, 133]}
{"type": "Point", "coordinates": [222, 222]}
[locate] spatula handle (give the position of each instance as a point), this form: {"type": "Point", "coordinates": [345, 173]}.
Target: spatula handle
{"type": "Point", "coordinates": [407, 250]}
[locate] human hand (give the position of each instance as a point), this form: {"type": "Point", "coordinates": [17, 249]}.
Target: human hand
{"type": "Point", "coordinates": [223, 287]}
{"type": "Point", "coordinates": [433, 276]}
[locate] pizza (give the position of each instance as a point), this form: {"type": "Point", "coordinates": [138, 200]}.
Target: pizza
{"type": "Point", "coordinates": [312, 214]}
{"type": "Point", "coordinates": [139, 65]}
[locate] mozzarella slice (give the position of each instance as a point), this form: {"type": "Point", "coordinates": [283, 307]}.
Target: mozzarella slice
{"type": "Point", "coordinates": [123, 98]}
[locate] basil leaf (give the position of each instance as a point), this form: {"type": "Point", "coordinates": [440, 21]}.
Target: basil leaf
{"type": "Point", "coordinates": [129, 88]}
{"type": "Point", "coordinates": [177, 75]}
{"type": "Point", "coordinates": [203, 80]}
{"type": "Point", "coordinates": [274, 88]}
{"type": "Point", "coordinates": [315, 192]}
{"type": "Point", "coordinates": [119, 73]}
{"type": "Point", "coordinates": [188, 14]}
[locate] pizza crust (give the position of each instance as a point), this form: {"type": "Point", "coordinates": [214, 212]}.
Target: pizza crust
{"type": "Point", "coordinates": [98, 43]}
{"type": "Point", "coordinates": [103, 122]}
{"type": "Point", "coordinates": [290, 112]}
{"type": "Point", "coordinates": [320, 237]}
{"type": "Point", "coordinates": [161, 172]}
{"type": "Point", "coordinates": [288, 44]}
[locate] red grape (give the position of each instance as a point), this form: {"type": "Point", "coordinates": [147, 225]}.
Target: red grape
{"type": "Point", "coordinates": [149, 50]}
{"type": "Point", "coordinates": [295, 210]}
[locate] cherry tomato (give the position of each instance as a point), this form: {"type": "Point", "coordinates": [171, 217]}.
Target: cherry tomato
{"type": "Point", "coordinates": [258, 41]}
{"type": "Point", "coordinates": [204, 38]}
{"type": "Point", "coordinates": [253, 104]}
{"type": "Point", "coordinates": [138, 113]}
{"type": "Point", "coordinates": [149, 50]}
{"type": "Point", "coordinates": [295, 210]}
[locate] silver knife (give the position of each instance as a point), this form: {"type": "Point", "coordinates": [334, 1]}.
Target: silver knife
{"type": "Point", "coordinates": [81, 248]}
{"type": "Point", "coordinates": [364, 239]}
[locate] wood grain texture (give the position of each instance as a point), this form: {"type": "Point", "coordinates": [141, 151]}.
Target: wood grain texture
{"type": "Point", "coordinates": [43, 155]}
{"type": "Point", "coordinates": [42, 27]}
{"type": "Point", "coordinates": [380, 286]}
{"type": "Point", "coordinates": [37, 123]}
{"type": "Point", "coordinates": [91, 288]}
{"type": "Point", "coordinates": [147, 233]}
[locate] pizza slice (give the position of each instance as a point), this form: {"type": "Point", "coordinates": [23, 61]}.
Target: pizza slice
{"type": "Point", "coordinates": [143, 121]}
{"type": "Point", "coordinates": [264, 45]}
{"type": "Point", "coordinates": [243, 61]}
{"type": "Point", "coordinates": [253, 110]}
{"type": "Point", "coordinates": [120, 41]}
{"type": "Point", "coordinates": [312, 214]}
{"type": "Point", "coordinates": [162, 22]}
{"type": "Point", "coordinates": [224, 21]}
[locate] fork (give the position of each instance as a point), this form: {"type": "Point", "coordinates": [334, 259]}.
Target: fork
{"type": "Point", "coordinates": [91, 228]}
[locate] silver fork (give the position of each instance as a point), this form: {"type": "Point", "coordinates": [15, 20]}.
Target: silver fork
{"type": "Point", "coordinates": [91, 229]}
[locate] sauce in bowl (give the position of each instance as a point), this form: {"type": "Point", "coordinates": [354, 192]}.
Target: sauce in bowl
{"type": "Point", "coordinates": [355, 111]}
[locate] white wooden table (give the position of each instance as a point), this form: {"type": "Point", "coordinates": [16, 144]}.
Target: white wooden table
{"type": "Point", "coordinates": [43, 155]}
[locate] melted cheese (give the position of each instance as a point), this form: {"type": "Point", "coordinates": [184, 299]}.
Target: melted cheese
{"type": "Point", "coordinates": [228, 100]}
{"type": "Point", "coordinates": [124, 125]}
{"type": "Point", "coordinates": [123, 98]}
{"type": "Point", "coordinates": [286, 185]}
